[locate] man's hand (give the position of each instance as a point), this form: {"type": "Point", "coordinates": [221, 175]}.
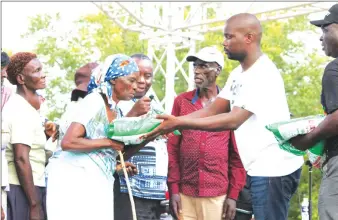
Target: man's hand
{"type": "Point", "coordinates": [36, 213]}
{"type": "Point", "coordinates": [52, 130]}
{"type": "Point", "coordinates": [229, 209]}
{"type": "Point", "coordinates": [130, 167]}
{"type": "Point", "coordinates": [169, 124]}
{"type": "Point", "coordinates": [176, 206]}
{"type": "Point", "coordinates": [141, 107]}
{"type": "Point", "coordinates": [301, 142]}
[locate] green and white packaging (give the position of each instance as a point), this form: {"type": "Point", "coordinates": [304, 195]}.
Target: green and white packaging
{"type": "Point", "coordinates": [285, 130]}
{"type": "Point", "coordinates": [130, 129]}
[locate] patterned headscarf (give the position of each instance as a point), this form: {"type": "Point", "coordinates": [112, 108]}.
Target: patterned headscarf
{"type": "Point", "coordinates": [114, 66]}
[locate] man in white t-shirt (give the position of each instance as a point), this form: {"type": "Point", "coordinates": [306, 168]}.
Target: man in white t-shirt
{"type": "Point", "coordinates": [253, 97]}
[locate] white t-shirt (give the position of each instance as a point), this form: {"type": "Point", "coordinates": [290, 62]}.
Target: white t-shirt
{"type": "Point", "coordinates": [260, 90]}
{"type": "Point", "coordinates": [25, 127]}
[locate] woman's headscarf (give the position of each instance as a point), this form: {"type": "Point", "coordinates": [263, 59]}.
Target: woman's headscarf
{"type": "Point", "coordinates": [114, 66]}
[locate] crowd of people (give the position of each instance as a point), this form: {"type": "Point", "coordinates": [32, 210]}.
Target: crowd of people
{"type": "Point", "coordinates": [223, 147]}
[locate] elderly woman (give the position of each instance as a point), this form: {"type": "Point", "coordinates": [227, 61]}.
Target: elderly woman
{"type": "Point", "coordinates": [81, 182]}
{"type": "Point", "coordinates": [26, 137]}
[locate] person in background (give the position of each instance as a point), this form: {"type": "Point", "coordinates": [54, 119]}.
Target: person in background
{"type": "Point", "coordinates": [26, 139]}
{"type": "Point", "coordinates": [149, 185]}
{"type": "Point", "coordinates": [327, 130]}
{"type": "Point", "coordinates": [5, 94]}
{"type": "Point", "coordinates": [81, 80]}
{"type": "Point", "coordinates": [5, 91]}
{"type": "Point", "coordinates": [205, 171]}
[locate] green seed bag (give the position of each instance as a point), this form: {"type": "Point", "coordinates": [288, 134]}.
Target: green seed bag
{"type": "Point", "coordinates": [130, 129]}
{"type": "Point", "coordinates": [285, 130]}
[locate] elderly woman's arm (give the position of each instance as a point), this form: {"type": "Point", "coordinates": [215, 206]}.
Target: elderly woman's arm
{"type": "Point", "coordinates": [25, 176]}
{"type": "Point", "coordinates": [74, 140]}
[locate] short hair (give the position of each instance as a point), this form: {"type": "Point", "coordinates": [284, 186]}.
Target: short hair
{"type": "Point", "coordinates": [16, 65]}
{"type": "Point", "coordinates": [140, 56]}
{"type": "Point", "coordinates": [83, 73]}
{"type": "Point", "coordinates": [4, 59]}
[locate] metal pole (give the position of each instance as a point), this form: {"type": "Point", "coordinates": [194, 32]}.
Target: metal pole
{"type": "Point", "coordinates": [310, 189]}
{"type": "Point", "coordinates": [170, 78]}
{"type": "Point", "coordinates": [191, 83]}
{"type": "Point", "coordinates": [170, 70]}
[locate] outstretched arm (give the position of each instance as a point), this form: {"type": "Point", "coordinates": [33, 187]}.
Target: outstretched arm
{"type": "Point", "coordinates": [220, 122]}
{"type": "Point", "coordinates": [219, 106]}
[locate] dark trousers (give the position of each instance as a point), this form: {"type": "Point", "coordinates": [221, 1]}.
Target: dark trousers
{"type": "Point", "coordinates": [271, 195]}
{"type": "Point", "coordinates": [146, 209]}
{"type": "Point", "coordinates": [17, 203]}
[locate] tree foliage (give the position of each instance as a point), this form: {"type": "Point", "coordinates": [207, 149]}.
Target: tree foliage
{"type": "Point", "coordinates": [96, 37]}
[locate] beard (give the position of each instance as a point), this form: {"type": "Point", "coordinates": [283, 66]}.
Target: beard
{"type": "Point", "coordinates": [236, 56]}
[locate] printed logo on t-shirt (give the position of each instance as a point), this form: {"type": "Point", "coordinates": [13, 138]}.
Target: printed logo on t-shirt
{"type": "Point", "coordinates": [235, 89]}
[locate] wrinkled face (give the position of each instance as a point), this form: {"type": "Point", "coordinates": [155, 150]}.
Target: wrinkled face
{"type": "Point", "coordinates": [205, 73]}
{"type": "Point", "coordinates": [234, 42]}
{"type": "Point", "coordinates": [32, 76]}
{"type": "Point", "coordinates": [3, 74]}
{"type": "Point", "coordinates": [329, 40]}
{"type": "Point", "coordinates": [125, 86]}
{"type": "Point", "coordinates": [144, 78]}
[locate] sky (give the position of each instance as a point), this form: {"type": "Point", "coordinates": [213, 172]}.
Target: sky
{"type": "Point", "coordinates": [14, 26]}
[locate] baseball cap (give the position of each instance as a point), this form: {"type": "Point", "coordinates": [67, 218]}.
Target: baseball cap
{"type": "Point", "coordinates": [330, 18]}
{"type": "Point", "coordinates": [208, 54]}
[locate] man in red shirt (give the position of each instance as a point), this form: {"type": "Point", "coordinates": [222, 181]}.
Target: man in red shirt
{"type": "Point", "coordinates": [205, 171]}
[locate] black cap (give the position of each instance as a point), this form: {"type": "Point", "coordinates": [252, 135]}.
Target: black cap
{"type": "Point", "coordinates": [330, 18]}
{"type": "Point", "coordinates": [4, 59]}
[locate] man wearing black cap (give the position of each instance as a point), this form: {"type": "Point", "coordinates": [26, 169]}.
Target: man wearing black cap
{"type": "Point", "coordinates": [327, 130]}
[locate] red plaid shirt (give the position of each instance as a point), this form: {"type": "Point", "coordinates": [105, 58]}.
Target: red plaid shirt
{"type": "Point", "coordinates": [203, 164]}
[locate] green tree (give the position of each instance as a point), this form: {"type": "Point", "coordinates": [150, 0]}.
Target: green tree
{"type": "Point", "coordinates": [98, 34]}
{"type": "Point", "coordinates": [68, 51]}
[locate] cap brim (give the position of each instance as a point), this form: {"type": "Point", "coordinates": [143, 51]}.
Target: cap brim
{"type": "Point", "coordinates": [320, 23]}
{"type": "Point", "coordinates": [191, 58]}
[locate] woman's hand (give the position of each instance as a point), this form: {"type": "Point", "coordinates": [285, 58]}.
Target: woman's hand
{"type": "Point", "coordinates": [115, 145]}
{"type": "Point", "coordinates": [52, 130]}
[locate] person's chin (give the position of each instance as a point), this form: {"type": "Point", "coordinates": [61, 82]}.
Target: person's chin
{"type": "Point", "coordinates": [131, 96]}
{"type": "Point", "coordinates": [139, 95]}
{"type": "Point", "coordinates": [42, 86]}
{"type": "Point", "coordinates": [230, 57]}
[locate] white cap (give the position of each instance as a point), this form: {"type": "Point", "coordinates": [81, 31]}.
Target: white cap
{"type": "Point", "coordinates": [208, 54]}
